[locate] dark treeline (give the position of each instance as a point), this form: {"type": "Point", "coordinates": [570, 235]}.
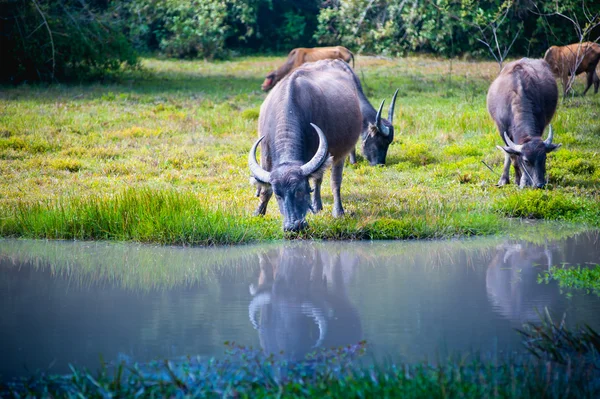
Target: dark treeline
{"type": "Point", "coordinates": [53, 40]}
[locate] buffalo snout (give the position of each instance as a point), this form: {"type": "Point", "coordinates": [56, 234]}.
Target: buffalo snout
{"type": "Point", "coordinates": [295, 226]}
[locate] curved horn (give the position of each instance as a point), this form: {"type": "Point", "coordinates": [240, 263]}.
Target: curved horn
{"type": "Point", "coordinates": [319, 157]}
{"type": "Point", "coordinates": [317, 314]}
{"type": "Point", "coordinates": [548, 141]}
{"type": "Point", "coordinates": [378, 116]}
{"type": "Point", "coordinates": [511, 144]}
{"type": "Point", "coordinates": [257, 171]}
{"type": "Point", "coordinates": [258, 301]}
{"type": "Point", "coordinates": [392, 105]}
{"type": "Point", "coordinates": [382, 129]}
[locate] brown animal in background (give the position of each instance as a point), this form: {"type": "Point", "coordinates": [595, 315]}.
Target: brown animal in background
{"type": "Point", "coordinates": [563, 61]}
{"type": "Point", "coordinates": [299, 56]}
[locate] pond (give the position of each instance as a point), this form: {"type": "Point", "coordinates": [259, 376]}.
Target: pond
{"type": "Point", "coordinates": [77, 302]}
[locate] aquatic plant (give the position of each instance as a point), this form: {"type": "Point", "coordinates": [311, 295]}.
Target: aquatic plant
{"type": "Point", "coordinates": [329, 373]}
{"type": "Point", "coordinates": [553, 341]}
{"type": "Point", "coordinates": [577, 277]}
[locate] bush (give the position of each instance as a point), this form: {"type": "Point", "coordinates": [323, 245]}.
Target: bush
{"type": "Point", "coordinates": [449, 27]}
{"type": "Point", "coordinates": [49, 40]}
{"type": "Point", "coordinates": [180, 28]}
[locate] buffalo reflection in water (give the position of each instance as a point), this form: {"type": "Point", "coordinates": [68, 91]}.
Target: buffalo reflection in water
{"type": "Point", "coordinates": [511, 281]}
{"type": "Point", "coordinates": [302, 301]}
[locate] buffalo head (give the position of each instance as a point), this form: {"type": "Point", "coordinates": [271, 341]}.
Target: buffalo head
{"type": "Point", "coordinates": [290, 183]}
{"type": "Point", "coordinates": [379, 135]}
{"type": "Point", "coordinates": [531, 158]}
{"type": "Point", "coordinates": [269, 82]}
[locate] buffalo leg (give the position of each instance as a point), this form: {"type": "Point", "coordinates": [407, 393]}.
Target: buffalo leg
{"type": "Point", "coordinates": [590, 80]}
{"type": "Point", "coordinates": [317, 204]}
{"type": "Point", "coordinates": [504, 179]}
{"type": "Point", "coordinates": [517, 170]}
{"type": "Point", "coordinates": [565, 83]}
{"type": "Point", "coordinates": [353, 155]}
{"type": "Point", "coordinates": [336, 184]}
{"type": "Point", "coordinates": [264, 197]}
{"type": "Point", "coordinates": [596, 82]}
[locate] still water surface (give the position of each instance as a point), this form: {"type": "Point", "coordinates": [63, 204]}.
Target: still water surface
{"type": "Point", "coordinates": [66, 302]}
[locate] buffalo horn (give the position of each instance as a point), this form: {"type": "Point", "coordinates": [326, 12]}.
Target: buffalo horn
{"type": "Point", "coordinates": [548, 141]}
{"type": "Point", "coordinates": [258, 301]}
{"type": "Point", "coordinates": [257, 171]}
{"type": "Point", "coordinates": [317, 314]}
{"type": "Point", "coordinates": [511, 144]}
{"type": "Point", "coordinates": [391, 111]}
{"type": "Point", "coordinates": [378, 119]}
{"type": "Point", "coordinates": [319, 157]}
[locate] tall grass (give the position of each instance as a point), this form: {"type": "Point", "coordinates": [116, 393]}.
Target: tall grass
{"type": "Point", "coordinates": [166, 217]}
{"type": "Point", "coordinates": [246, 373]}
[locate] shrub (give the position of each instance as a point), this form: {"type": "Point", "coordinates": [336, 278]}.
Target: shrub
{"type": "Point", "coordinates": [61, 39]}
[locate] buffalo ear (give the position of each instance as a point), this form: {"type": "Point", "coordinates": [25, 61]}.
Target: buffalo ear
{"type": "Point", "coordinates": [509, 150]}
{"type": "Point", "coordinates": [552, 147]}
{"type": "Point", "coordinates": [372, 131]}
{"type": "Point", "coordinates": [259, 184]}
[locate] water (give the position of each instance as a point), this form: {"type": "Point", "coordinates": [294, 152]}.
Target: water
{"type": "Point", "coordinates": [65, 302]}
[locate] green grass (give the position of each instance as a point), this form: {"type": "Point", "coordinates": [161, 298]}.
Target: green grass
{"type": "Point", "coordinates": [586, 278]}
{"type": "Point", "coordinates": [161, 156]}
{"type": "Point", "coordinates": [248, 374]}
{"type": "Point", "coordinates": [165, 217]}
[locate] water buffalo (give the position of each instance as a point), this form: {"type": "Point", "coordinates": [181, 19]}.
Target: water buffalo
{"type": "Point", "coordinates": [522, 101]}
{"type": "Point", "coordinates": [294, 149]}
{"type": "Point", "coordinates": [377, 132]}
{"type": "Point", "coordinates": [299, 56]}
{"type": "Point", "coordinates": [302, 301]}
{"type": "Point", "coordinates": [577, 58]}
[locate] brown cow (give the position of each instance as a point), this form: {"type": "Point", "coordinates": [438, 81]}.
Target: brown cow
{"type": "Point", "coordinates": [563, 61]}
{"type": "Point", "coordinates": [299, 56]}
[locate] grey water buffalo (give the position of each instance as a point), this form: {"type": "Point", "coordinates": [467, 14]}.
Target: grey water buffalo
{"type": "Point", "coordinates": [522, 101]}
{"type": "Point", "coordinates": [377, 132]}
{"type": "Point", "coordinates": [574, 59]}
{"type": "Point", "coordinates": [299, 56]}
{"type": "Point", "coordinates": [300, 302]}
{"type": "Point", "coordinates": [511, 282]}
{"type": "Point", "coordinates": [308, 120]}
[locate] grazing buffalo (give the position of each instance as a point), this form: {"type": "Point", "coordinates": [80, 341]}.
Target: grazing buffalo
{"type": "Point", "coordinates": [299, 56]}
{"type": "Point", "coordinates": [377, 132]}
{"type": "Point", "coordinates": [302, 301]}
{"type": "Point", "coordinates": [575, 59]}
{"type": "Point", "coordinates": [511, 282]}
{"type": "Point", "coordinates": [522, 101]}
{"type": "Point", "coordinates": [294, 148]}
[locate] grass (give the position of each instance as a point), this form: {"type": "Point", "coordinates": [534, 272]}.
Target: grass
{"type": "Point", "coordinates": [577, 277]}
{"type": "Point", "coordinates": [161, 156]}
{"type": "Point", "coordinates": [247, 373]}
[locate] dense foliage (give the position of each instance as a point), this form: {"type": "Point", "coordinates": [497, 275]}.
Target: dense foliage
{"type": "Point", "coordinates": [55, 39]}
{"type": "Point", "coordinates": [452, 27]}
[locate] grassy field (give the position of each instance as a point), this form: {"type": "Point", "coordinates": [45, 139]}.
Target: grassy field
{"type": "Point", "coordinates": [161, 156]}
